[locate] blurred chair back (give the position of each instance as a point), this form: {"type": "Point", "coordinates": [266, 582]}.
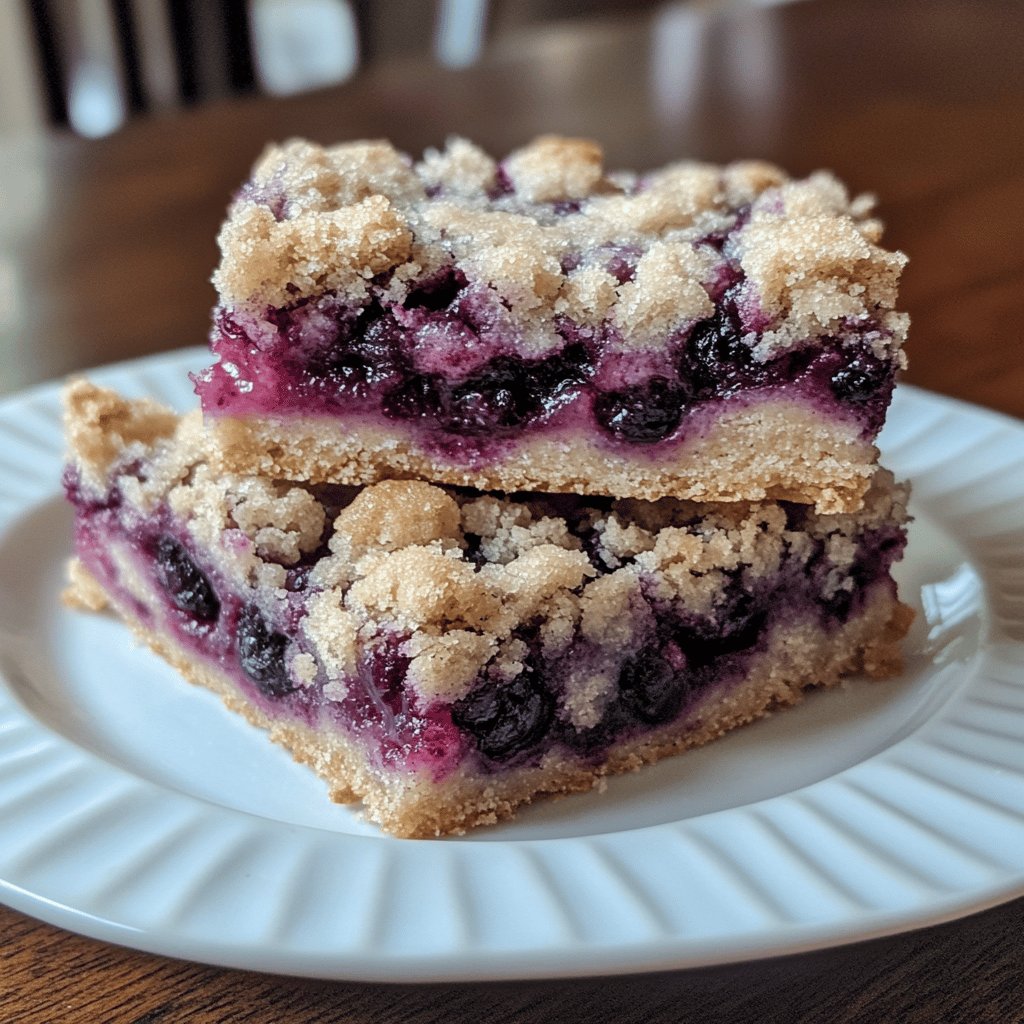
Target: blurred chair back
{"type": "Point", "coordinates": [102, 61]}
{"type": "Point", "coordinates": [99, 62]}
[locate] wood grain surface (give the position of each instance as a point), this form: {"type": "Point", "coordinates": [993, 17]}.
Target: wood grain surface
{"type": "Point", "coordinates": [106, 248]}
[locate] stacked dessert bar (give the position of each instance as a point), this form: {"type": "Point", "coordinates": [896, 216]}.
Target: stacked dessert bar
{"type": "Point", "coordinates": [510, 476]}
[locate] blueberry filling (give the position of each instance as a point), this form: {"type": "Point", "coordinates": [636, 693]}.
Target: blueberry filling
{"type": "Point", "coordinates": [345, 351]}
{"type": "Point", "coordinates": [876, 552]}
{"type": "Point", "coordinates": [261, 653]}
{"type": "Point", "coordinates": [559, 375]}
{"type": "Point", "coordinates": [507, 719]}
{"type": "Point", "coordinates": [377, 351]}
{"type": "Point", "coordinates": [643, 413]}
{"type": "Point", "coordinates": [322, 355]}
{"type": "Point", "coordinates": [737, 626]}
{"type": "Point", "coordinates": [684, 657]}
{"type": "Point", "coordinates": [506, 393]}
{"type": "Point", "coordinates": [500, 397]}
{"type": "Point", "coordinates": [297, 579]}
{"type": "Point", "coordinates": [716, 358]}
{"type": "Point", "coordinates": [861, 379]}
{"type": "Point", "coordinates": [383, 675]}
{"type": "Point", "coordinates": [502, 184]}
{"type": "Point", "coordinates": [651, 690]}
{"type": "Point", "coordinates": [438, 291]}
{"type": "Point", "coordinates": [187, 587]}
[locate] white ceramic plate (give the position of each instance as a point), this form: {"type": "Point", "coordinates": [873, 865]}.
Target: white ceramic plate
{"type": "Point", "coordinates": [135, 808]}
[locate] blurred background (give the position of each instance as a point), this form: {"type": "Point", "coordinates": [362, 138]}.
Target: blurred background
{"type": "Point", "coordinates": [90, 65]}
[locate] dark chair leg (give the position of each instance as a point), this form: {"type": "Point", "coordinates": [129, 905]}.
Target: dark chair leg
{"type": "Point", "coordinates": [128, 48]}
{"type": "Point", "coordinates": [52, 66]}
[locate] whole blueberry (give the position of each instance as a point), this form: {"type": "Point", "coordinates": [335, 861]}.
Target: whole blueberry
{"type": "Point", "coordinates": [506, 718]}
{"type": "Point", "coordinates": [261, 653]}
{"type": "Point", "coordinates": [642, 413]}
{"type": "Point", "coordinates": [860, 379]}
{"type": "Point", "coordinates": [186, 585]}
{"type": "Point", "coordinates": [651, 689]}
{"type": "Point", "coordinates": [716, 356]}
{"type": "Point", "coordinates": [558, 374]}
{"type": "Point", "coordinates": [736, 626]}
{"type": "Point", "coordinates": [500, 395]}
{"type": "Point", "coordinates": [416, 397]}
{"type": "Point", "coordinates": [378, 347]}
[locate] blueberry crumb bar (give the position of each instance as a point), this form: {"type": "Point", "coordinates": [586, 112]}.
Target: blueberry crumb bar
{"type": "Point", "coordinates": [539, 323]}
{"type": "Point", "coordinates": [446, 655]}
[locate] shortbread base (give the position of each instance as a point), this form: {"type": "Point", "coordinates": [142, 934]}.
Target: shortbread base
{"type": "Point", "coordinates": [775, 451]}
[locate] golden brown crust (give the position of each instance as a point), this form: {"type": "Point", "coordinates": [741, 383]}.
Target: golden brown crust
{"type": "Point", "coordinates": [83, 592]}
{"type": "Point", "coordinates": [772, 451]}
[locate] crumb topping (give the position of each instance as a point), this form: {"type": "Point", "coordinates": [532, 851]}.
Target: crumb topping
{"type": "Point", "coordinates": [102, 428]}
{"type": "Point", "coordinates": [339, 250]}
{"type": "Point", "coordinates": [552, 169]}
{"type": "Point", "coordinates": [321, 180]}
{"type": "Point", "coordinates": [303, 669]}
{"type": "Point", "coordinates": [677, 197]}
{"type": "Point", "coordinates": [334, 632]}
{"type": "Point", "coordinates": [588, 295]}
{"type": "Point", "coordinates": [811, 268]}
{"type": "Point", "coordinates": [460, 168]}
{"type": "Point", "coordinates": [420, 586]}
{"type": "Point", "coordinates": [511, 259]}
{"type": "Point", "coordinates": [536, 231]}
{"type": "Point", "coordinates": [508, 529]}
{"type": "Point", "coordinates": [444, 666]}
{"type": "Point", "coordinates": [394, 514]}
{"type": "Point", "coordinates": [284, 522]}
{"type": "Point", "coordinates": [665, 294]}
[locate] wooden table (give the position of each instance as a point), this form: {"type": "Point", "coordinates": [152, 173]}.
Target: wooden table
{"type": "Point", "coordinates": [105, 252]}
